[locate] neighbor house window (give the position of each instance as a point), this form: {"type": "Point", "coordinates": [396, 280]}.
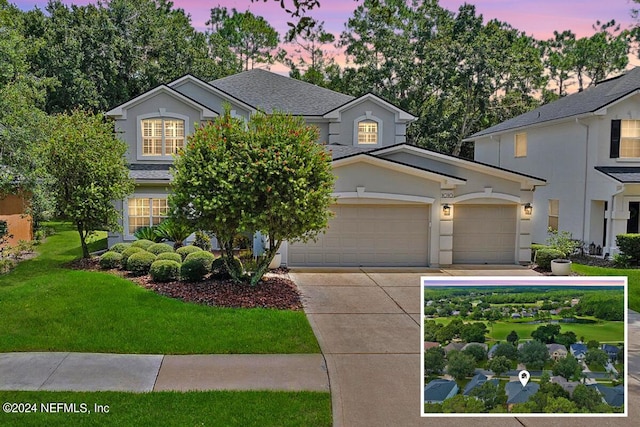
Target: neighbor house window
{"type": "Point", "coordinates": [630, 138]}
{"type": "Point", "coordinates": [162, 137]}
{"type": "Point", "coordinates": [521, 145]}
{"type": "Point", "coordinates": [554, 209]}
{"type": "Point", "coordinates": [367, 132]}
{"type": "Point", "coordinates": [146, 211]}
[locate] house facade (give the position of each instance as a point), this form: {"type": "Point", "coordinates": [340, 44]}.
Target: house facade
{"type": "Point", "coordinates": [587, 147]}
{"type": "Point", "coordinates": [396, 204]}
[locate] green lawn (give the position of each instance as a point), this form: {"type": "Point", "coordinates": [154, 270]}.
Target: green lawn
{"type": "Point", "coordinates": [633, 279]}
{"type": "Point", "coordinates": [220, 408]}
{"type": "Point", "coordinates": [48, 307]}
{"type": "Point", "coordinates": [603, 332]}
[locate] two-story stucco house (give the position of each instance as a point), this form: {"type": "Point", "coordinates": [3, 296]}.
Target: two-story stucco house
{"type": "Point", "coordinates": [587, 147]}
{"type": "Point", "coordinates": [396, 204]}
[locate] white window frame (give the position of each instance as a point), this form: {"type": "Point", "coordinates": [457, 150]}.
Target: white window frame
{"type": "Point", "coordinates": [520, 145]}
{"type": "Point", "coordinates": [632, 152]}
{"type": "Point", "coordinates": [368, 117]}
{"type": "Point", "coordinates": [149, 197]}
{"type": "Point", "coordinates": [162, 114]}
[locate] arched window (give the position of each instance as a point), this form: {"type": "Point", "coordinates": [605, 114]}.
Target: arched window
{"type": "Point", "coordinates": [367, 130]}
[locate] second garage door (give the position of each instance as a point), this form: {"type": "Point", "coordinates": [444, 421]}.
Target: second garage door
{"type": "Point", "coordinates": [369, 235]}
{"type": "Point", "coordinates": [484, 234]}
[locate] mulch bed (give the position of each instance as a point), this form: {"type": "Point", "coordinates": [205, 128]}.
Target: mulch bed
{"type": "Point", "coordinates": [275, 291]}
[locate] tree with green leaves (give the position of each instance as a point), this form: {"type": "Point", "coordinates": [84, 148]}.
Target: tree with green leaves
{"type": "Point", "coordinates": [312, 63]}
{"type": "Point", "coordinates": [492, 395]}
{"type": "Point", "coordinates": [460, 365]}
{"type": "Point", "coordinates": [596, 356]}
{"type": "Point", "coordinates": [512, 338]}
{"type": "Point", "coordinates": [586, 398]}
{"type": "Point", "coordinates": [533, 354]}
{"type": "Point", "coordinates": [477, 352]}
{"type": "Point", "coordinates": [474, 332]}
{"type": "Point", "coordinates": [499, 365]}
{"type": "Point", "coordinates": [434, 361]}
{"type": "Point", "coordinates": [86, 161]}
{"type": "Point", "coordinates": [568, 368]}
{"type": "Point", "coordinates": [507, 350]}
{"type": "Point", "coordinates": [460, 404]}
{"type": "Point", "coordinates": [546, 333]}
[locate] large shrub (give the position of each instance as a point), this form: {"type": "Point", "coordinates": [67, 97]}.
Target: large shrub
{"type": "Point", "coordinates": [128, 252]}
{"type": "Point", "coordinates": [164, 270]}
{"type": "Point", "coordinates": [535, 247]}
{"type": "Point", "coordinates": [158, 248]}
{"type": "Point", "coordinates": [629, 245]}
{"type": "Point", "coordinates": [545, 256]}
{"type": "Point", "coordinates": [186, 250]}
{"type": "Point", "coordinates": [563, 242]}
{"type": "Point", "coordinates": [110, 259]}
{"type": "Point", "coordinates": [196, 265]}
{"type": "Point", "coordinates": [169, 255]}
{"type": "Point", "coordinates": [142, 243]}
{"type": "Point", "coordinates": [140, 262]}
{"type": "Point", "coordinates": [206, 257]}
{"type": "Point", "coordinates": [120, 247]}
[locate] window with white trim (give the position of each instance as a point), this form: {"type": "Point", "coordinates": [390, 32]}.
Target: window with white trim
{"type": "Point", "coordinates": [367, 132]}
{"type": "Point", "coordinates": [145, 212]}
{"type": "Point", "coordinates": [554, 211]}
{"type": "Point", "coordinates": [520, 148]}
{"type": "Point", "coordinates": [630, 139]}
{"type": "Point", "coordinates": [162, 136]}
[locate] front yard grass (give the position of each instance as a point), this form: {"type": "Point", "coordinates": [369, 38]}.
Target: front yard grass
{"type": "Point", "coordinates": [633, 279]}
{"type": "Point", "coordinates": [46, 306]}
{"type": "Point", "coordinates": [223, 408]}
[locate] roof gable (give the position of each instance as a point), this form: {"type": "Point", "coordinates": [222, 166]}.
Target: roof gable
{"type": "Point", "coordinates": [401, 115]}
{"type": "Point", "coordinates": [121, 110]}
{"type": "Point", "coordinates": [272, 92]}
{"type": "Point", "coordinates": [209, 88]}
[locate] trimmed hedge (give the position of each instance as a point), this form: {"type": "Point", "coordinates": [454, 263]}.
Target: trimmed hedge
{"type": "Point", "coordinates": [545, 256]}
{"type": "Point", "coordinates": [186, 250]}
{"type": "Point", "coordinates": [196, 265]}
{"type": "Point", "coordinates": [159, 248]}
{"type": "Point", "coordinates": [170, 256]}
{"type": "Point", "coordinates": [127, 253]}
{"type": "Point", "coordinates": [205, 257]}
{"type": "Point", "coordinates": [119, 247]}
{"type": "Point", "coordinates": [535, 247]}
{"type": "Point", "coordinates": [142, 243]}
{"type": "Point", "coordinates": [140, 262]}
{"type": "Point", "coordinates": [164, 270]}
{"type": "Point", "coordinates": [110, 259]}
{"type": "Point", "coordinates": [629, 245]}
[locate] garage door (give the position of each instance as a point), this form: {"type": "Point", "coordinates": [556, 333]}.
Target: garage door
{"type": "Point", "coordinates": [369, 235]}
{"type": "Point", "coordinates": [484, 234]}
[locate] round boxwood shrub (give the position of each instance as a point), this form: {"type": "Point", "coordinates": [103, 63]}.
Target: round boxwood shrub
{"type": "Point", "coordinates": [205, 257]}
{"type": "Point", "coordinates": [158, 248]}
{"type": "Point", "coordinates": [120, 247]}
{"type": "Point", "coordinates": [196, 265]}
{"type": "Point", "coordinates": [110, 259]}
{"type": "Point", "coordinates": [140, 262]}
{"type": "Point", "coordinates": [169, 255]}
{"type": "Point", "coordinates": [186, 250]}
{"type": "Point", "coordinates": [165, 270]}
{"type": "Point", "coordinates": [127, 253]}
{"type": "Point", "coordinates": [545, 256]}
{"type": "Point", "coordinates": [217, 266]}
{"type": "Point", "coordinates": [142, 243]}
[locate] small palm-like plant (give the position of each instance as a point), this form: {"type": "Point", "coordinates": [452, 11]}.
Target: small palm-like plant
{"type": "Point", "coordinates": [173, 231]}
{"type": "Point", "coordinates": [147, 233]}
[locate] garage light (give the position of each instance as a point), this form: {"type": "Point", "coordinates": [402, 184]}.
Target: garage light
{"type": "Point", "coordinates": [446, 210]}
{"type": "Point", "coordinates": [528, 209]}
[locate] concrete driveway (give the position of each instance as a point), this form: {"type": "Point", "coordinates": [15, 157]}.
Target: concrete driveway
{"type": "Point", "coordinates": [368, 325]}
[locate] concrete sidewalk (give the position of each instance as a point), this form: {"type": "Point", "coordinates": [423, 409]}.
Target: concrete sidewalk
{"type": "Point", "coordinates": [144, 373]}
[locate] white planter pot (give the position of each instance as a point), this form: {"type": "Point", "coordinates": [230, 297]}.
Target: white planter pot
{"type": "Point", "coordinates": [560, 267]}
{"type": "Point", "coordinates": [276, 261]}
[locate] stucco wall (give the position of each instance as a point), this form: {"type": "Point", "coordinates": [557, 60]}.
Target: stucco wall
{"type": "Point", "coordinates": [209, 99]}
{"type": "Point", "coordinates": [343, 132]}
{"type": "Point", "coordinates": [12, 210]}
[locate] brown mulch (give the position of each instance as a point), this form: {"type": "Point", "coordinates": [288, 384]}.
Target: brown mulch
{"type": "Point", "coordinates": [275, 291]}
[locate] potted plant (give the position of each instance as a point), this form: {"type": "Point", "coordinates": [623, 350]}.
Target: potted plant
{"type": "Point", "coordinates": [563, 242]}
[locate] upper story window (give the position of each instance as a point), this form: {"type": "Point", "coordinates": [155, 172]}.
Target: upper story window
{"type": "Point", "coordinates": [162, 136]}
{"type": "Point", "coordinates": [630, 139]}
{"type": "Point", "coordinates": [520, 148]}
{"type": "Point", "coordinates": [367, 132]}
{"type": "Point", "coordinates": [554, 213]}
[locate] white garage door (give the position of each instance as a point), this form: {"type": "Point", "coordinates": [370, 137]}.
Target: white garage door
{"type": "Point", "coordinates": [484, 234]}
{"type": "Point", "coordinates": [369, 235]}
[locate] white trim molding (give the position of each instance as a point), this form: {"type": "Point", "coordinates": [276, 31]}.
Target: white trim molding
{"type": "Point", "coordinates": [360, 194]}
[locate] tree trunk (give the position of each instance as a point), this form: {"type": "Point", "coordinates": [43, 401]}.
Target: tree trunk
{"type": "Point", "coordinates": [83, 241]}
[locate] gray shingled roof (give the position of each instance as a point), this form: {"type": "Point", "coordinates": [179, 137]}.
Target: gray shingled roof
{"type": "Point", "coordinates": [614, 396]}
{"type": "Point", "coordinates": [516, 393]}
{"type": "Point", "coordinates": [438, 390]}
{"type": "Point", "coordinates": [269, 91]}
{"type": "Point", "coordinates": [477, 381]}
{"type": "Point", "coordinates": [587, 101]}
{"type": "Point", "coordinates": [149, 172]}
{"type": "Point", "coordinates": [340, 151]}
{"type": "Point", "coordinates": [625, 174]}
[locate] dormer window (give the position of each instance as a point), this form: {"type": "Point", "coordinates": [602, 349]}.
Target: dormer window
{"type": "Point", "coordinates": [162, 137]}
{"type": "Point", "coordinates": [367, 132]}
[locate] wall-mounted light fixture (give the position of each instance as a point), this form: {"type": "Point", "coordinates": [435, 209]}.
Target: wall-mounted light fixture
{"type": "Point", "coordinates": [446, 210]}
{"type": "Point", "coordinates": [528, 209]}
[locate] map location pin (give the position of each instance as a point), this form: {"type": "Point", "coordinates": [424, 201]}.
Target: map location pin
{"type": "Point", "coordinates": [524, 377]}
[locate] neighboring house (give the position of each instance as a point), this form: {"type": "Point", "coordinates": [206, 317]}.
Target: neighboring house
{"type": "Point", "coordinates": [483, 345]}
{"type": "Point", "coordinates": [437, 391]}
{"type": "Point", "coordinates": [611, 350]}
{"type": "Point", "coordinates": [516, 393]}
{"type": "Point", "coordinates": [578, 350]}
{"type": "Point", "coordinates": [430, 344]}
{"type": "Point", "coordinates": [557, 351]}
{"type": "Point", "coordinates": [613, 396]}
{"type": "Point", "coordinates": [453, 346]}
{"type": "Point", "coordinates": [492, 351]}
{"type": "Point", "coordinates": [477, 381]}
{"type": "Point", "coordinates": [587, 146]}
{"type": "Point", "coordinates": [516, 316]}
{"type": "Point", "coordinates": [14, 210]}
{"type": "Point", "coordinates": [567, 386]}
{"type": "Point", "coordinates": [396, 204]}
